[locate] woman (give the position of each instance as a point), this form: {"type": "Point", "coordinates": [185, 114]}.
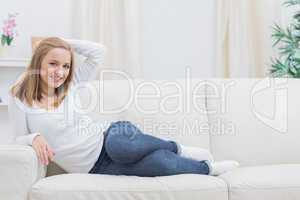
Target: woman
{"type": "Point", "coordinates": [42, 112]}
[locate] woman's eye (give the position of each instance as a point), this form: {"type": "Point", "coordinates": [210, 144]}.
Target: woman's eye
{"type": "Point", "coordinates": [53, 64]}
{"type": "Point", "coordinates": [67, 66]}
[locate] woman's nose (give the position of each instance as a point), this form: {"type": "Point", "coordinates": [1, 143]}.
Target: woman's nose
{"type": "Point", "coordinates": [59, 72]}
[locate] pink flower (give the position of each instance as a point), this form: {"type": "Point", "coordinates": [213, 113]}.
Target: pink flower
{"type": "Point", "coordinates": [10, 34]}
{"type": "Point", "coordinates": [8, 29]}
{"type": "Point", "coordinates": [11, 23]}
{"type": "Point", "coordinates": [5, 33]}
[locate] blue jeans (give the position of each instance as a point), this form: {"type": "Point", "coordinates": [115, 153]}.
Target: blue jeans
{"type": "Point", "coordinates": [128, 151]}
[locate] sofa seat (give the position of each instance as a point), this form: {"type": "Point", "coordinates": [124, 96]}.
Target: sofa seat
{"type": "Point", "coordinates": [274, 182]}
{"type": "Point", "coordinates": [107, 187]}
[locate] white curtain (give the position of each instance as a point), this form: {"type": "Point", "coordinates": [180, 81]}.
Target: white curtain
{"type": "Point", "coordinates": [117, 25]}
{"type": "Point", "coordinates": [244, 28]}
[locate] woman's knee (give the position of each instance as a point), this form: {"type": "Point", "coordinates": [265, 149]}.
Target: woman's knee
{"type": "Point", "coordinates": [123, 129]}
{"type": "Point", "coordinates": [120, 133]}
{"type": "Point", "coordinates": [118, 142]}
{"type": "Point", "coordinates": [119, 147]}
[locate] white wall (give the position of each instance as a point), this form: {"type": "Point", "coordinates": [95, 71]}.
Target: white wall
{"type": "Point", "coordinates": [177, 34]}
{"type": "Point", "coordinates": [37, 18]}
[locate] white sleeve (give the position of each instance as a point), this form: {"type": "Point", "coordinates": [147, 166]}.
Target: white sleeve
{"type": "Point", "coordinates": [19, 125]}
{"type": "Point", "coordinates": [94, 55]}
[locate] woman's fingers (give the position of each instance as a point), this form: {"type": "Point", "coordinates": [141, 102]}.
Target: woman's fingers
{"type": "Point", "coordinates": [51, 150]}
{"type": "Point", "coordinates": [41, 155]}
{"type": "Point", "coordinates": [45, 155]}
{"type": "Point", "coordinates": [50, 153]}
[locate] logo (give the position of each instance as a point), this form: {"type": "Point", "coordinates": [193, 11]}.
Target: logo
{"type": "Point", "coordinates": [278, 119]}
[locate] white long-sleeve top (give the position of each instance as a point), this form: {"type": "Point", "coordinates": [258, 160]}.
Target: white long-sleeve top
{"type": "Point", "coordinates": [75, 138]}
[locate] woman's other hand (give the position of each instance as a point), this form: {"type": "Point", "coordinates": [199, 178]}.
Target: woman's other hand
{"type": "Point", "coordinates": [43, 150]}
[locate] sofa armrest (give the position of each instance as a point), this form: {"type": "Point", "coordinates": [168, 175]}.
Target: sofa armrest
{"type": "Point", "coordinates": [19, 170]}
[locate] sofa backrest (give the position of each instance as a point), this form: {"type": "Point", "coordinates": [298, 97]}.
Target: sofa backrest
{"type": "Point", "coordinates": [254, 121]}
{"type": "Point", "coordinates": [163, 108]}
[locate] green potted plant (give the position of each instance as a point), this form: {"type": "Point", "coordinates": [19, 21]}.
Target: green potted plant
{"type": "Point", "coordinates": [287, 64]}
{"type": "Point", "coordinates": [288, 41]}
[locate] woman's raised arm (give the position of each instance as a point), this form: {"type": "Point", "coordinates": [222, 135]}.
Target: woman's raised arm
{"type": "Point", "coordinates": [94, 56]}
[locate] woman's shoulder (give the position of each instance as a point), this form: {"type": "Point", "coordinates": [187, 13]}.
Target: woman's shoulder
{"type": "Point", "coordinates": [15, 101]}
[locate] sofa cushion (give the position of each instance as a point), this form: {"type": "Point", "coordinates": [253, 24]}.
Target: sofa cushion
{"type": "Point", "coordinates": [100, 187]}
{"type": "Point", "coordinates": [276, 182]}
{"type": "Point", "coordinates": [254, 121]}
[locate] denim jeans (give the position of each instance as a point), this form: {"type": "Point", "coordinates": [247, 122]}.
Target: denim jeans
{"type": "Point", "coordinates": [128, 151]}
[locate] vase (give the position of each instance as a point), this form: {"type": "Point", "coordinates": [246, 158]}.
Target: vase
{"type": "Point", "coordinates": [6, 51]}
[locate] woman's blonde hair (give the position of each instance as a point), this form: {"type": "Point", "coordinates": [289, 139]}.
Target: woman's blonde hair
{"type": "Point", "coordinates": [28, 87]}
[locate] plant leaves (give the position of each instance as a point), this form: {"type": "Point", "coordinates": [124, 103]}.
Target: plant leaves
{"type": "Point", "coordinates": [3, 40]}
{"type": "Point", "coordinates": [9, 40]}
{"type": "Point", "coordinates": [291, 2]}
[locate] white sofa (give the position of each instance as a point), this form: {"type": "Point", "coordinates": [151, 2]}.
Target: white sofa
{"type": "Point", "coordinates": [253, 121]}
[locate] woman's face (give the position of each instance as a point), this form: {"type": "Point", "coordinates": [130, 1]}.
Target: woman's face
{"type": "Point", "coordinates": [55, 67]}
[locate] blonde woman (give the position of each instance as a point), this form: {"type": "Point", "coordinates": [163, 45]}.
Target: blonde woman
{"type": "Point", "coordinates": [40, 108]}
